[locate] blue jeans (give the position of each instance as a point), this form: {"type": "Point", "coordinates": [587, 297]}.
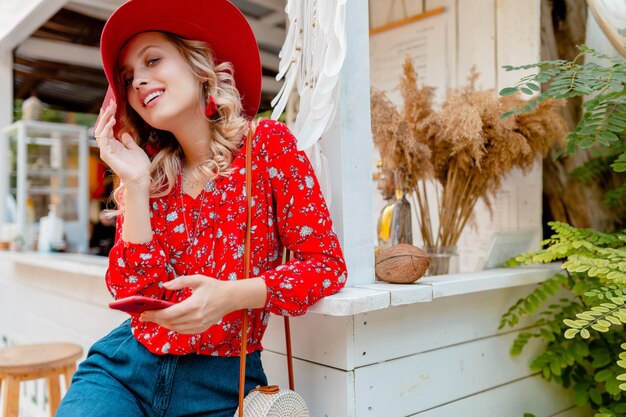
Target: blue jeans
{"type": "Point", "coordinates": [121, 378]}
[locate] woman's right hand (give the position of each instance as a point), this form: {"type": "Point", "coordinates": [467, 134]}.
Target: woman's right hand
{"type": "Point", "coordinates": [123, 156]}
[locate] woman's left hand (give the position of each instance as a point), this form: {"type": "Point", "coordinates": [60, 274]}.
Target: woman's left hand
{"type": "Point", "coordinates": [210, 301]}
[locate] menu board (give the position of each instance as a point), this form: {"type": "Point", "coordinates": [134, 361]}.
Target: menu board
{"type": "Point", "coordinates": [421, 37]}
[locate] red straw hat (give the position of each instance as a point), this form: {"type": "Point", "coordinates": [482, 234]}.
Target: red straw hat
{"type": "Point", "coordinates": [217, 22]}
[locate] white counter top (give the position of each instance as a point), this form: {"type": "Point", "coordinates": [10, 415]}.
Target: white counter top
{"type": "Point", "coordinates": [75, 263]}
{"type": "Point", "coordinates": [349, 301]}
{"type": "Point", "coordinates": [380, 295]}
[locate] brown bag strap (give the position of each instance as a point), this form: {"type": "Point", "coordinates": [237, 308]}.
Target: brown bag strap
{"type": "Point", "coordinates": [246, 274]}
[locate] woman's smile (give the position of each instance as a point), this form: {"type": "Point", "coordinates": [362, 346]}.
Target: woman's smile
{"type": "Point", "coordinates": [151, 97]}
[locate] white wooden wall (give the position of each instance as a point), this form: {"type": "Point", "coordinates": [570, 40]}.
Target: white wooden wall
{"type": "Point", "coordinates": [443, 358]}
{"type": "Point", "coordinates": [486, 34]}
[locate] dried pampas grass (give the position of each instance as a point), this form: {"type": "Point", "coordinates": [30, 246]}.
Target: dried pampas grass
{"type": "Point", "coordinates": [465, 147]}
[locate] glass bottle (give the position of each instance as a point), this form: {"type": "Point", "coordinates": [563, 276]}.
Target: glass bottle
{"type": "Point", "coordinates": [394, 221]}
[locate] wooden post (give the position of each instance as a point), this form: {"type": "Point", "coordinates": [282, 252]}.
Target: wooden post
{"type": "Point", "coordinates": [6, 117]}
{"type": "Point", "coordinates": [11, 398]}
{"type": "Point", "coordinates": [54, 394]}
{"type": "Point", "coordinates": [348, 147]}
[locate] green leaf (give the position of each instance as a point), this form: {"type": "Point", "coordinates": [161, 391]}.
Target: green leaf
{"type": "Point", "coordinates": [533, 87]}
{"type": "Point", "coordinates": [599, 328]}
{"type": "Point", "coordinates": [612, 386]}
{"type": "Point", "coordinates": [572, 323]}
{"type": "Point", "coordinates": [581, 396]}
{"type": "Point", "coordinates": [584, 333]}
{"type": "Point", "coordinates": [508, 91]}
{"type": "Point", "coordinates": [620, 163]}
{"type": "Point", "coordinates": [610, 136]}
{"type": "Point", "coordinates": [595, 396]}
{"type": "Point", "coordinates": [585, 316]}
{"type": "Point", "coordinates": [555, 367]}
{"type": "Point", "coordinates": [603, 375]}
{"type": "Point", "coordinates": [571, 333]}
{"type": "Point", "coordinates": [601, 357]}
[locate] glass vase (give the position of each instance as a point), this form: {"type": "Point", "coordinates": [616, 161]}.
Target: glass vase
{"type": "Point", "coordinates": [443, 260]}
{"type": "Point", "coordinates": [394, 222]}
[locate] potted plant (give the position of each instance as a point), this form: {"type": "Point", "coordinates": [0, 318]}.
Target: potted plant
{"type": "Point", "coordinates": [448, 159]}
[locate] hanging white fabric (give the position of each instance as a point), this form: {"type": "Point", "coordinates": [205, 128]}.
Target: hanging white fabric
{"type": "Point", "coordinates": [311, 60]}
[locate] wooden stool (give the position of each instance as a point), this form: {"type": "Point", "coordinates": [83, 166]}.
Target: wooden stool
{"type": "Point", "coordinates": [28, 362]}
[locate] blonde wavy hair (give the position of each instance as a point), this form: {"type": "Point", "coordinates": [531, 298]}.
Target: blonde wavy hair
{"type": "Point", "coordinates": [228, 126]}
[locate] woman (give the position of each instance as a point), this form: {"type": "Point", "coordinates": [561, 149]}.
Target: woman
{"type": "Point", "coordinates": [186, 80]}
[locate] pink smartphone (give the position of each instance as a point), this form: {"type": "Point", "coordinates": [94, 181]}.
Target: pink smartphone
{"type": "Point", "coordinates": [139, 304]}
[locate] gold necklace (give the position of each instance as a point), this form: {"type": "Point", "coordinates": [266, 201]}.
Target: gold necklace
{"type": "Point", "coordinates": [190, 183]}
{"type": "Point", "coordinates": [190, 237]}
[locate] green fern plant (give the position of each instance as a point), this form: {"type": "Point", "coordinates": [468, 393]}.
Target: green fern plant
{"type": "Point", "coordinates": [604, 118]}
{"type": "Point", "coordinates": [603, 124]}
{"type": "Point", "coordinates": [581, 313]}
{"type": "Point", "coordinates": [580, 302]}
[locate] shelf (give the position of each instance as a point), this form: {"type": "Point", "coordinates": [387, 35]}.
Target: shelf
{"type": "Point", "coordinates": [35, 126]}
{"type": "Point", "coordinates": [48, 164]}
{"type": "Point", "coordinates": [49, 190]}
{"type": "Point", "coordinates": [50, 141]}
{"type": "Point", "coordinates": [50, 172]}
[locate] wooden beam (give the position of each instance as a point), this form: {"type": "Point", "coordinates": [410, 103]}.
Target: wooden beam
{"type": "Point", "coordinates": [269, 61]}
{"type": "Point", "coordinates": [54, 66]}
{"type": "Point", "coordinates": [94, 8]}
{"type": "Point", "coordinates": [102, 14]}
{"type": "Point", "coordinates": [270, 85]}
{"type": "Point", "coordinates": [56, 51]}
{"type": "Point", "coordinates": [272, 4]}
{"type": "Point", "coordinates": [48, 76]}
{"type": "Point", "coordinates": [30, 83]}
{"type": "Point", "coordinates": [273, 19]}
{"type": "Point", "coordinates": [269, 35]}
{"type": "Point", "coordinates": [19, 19]}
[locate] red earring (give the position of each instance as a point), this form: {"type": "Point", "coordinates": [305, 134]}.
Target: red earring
{"type": "Point", "coordinates": [211, 108]}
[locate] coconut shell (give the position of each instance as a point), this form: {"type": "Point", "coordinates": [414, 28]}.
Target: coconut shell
{"type": "Point", "coordinates": [401, 264]}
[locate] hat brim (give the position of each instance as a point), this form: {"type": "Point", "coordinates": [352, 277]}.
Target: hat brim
{"type": "Point", "coordinates": [217, 22]}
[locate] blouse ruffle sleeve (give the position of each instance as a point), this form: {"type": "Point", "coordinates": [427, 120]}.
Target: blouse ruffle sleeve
{"type": "Point", "coordinates": [318, 268]}
{"type": "Point", "coordinates": [138, 268]}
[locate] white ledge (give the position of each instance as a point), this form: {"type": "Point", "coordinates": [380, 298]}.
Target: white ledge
{"type": "Point", "coordinates": [381, 295]}
{"type": "Point", "coordinates": [349, 301]}
{"type": "Point", "coordinates": [492, 279]}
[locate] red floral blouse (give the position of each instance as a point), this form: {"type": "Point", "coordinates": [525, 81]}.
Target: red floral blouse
{"type": "Point", "coordinates": [288, 209]}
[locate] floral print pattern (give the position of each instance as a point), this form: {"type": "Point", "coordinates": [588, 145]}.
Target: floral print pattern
{"type": "Point", "coordinates": [288, 209]}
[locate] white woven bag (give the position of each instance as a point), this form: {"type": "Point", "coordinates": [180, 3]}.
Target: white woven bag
{"type": "Point", "coordinates": [271, 401]}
